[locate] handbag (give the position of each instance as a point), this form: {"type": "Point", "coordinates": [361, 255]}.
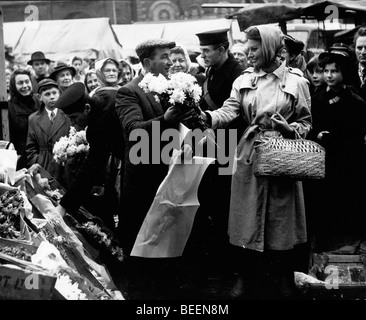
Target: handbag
{"type": "Point", "coordinates": [280, 157]}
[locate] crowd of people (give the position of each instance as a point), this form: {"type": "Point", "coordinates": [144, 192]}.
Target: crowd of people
{"type": "Point", "coordinates": [260, 229]}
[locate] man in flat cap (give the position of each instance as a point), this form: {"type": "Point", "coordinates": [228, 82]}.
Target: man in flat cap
{"type": "Point", "coordinates": [214, 194]}
{"type": "Point", "coordinates": [139, 110]}
{"type": "Point", "coordinates": [94, 182]}
{"type": "Point", "coordinates": [45, 127]}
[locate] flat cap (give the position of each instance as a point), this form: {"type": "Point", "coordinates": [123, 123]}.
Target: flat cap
{"type": "Point", "coordinates": [145, 48]}
{"type": "Point", "coordinates": [213, 37]}
{"type": "Point", "coordinates": [46, 84]}
{"type": "Point", "coordinates": [73, 99]}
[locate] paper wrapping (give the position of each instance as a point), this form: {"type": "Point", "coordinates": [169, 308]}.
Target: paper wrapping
{"type": "Point", "coordinates": [8, 161]}
{"type": "Point", "coordinates": [168, 223]}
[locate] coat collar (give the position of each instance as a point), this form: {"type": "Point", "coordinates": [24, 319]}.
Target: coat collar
{"type": "Point", "coordinates": [47, 127]}
{"type": "Point", "coordinates": [58, 123]}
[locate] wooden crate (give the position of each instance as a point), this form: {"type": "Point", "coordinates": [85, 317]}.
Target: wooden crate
{"type": "Point", "coordinates": [20, 279]}
{"type": "Point", "coordinates": [345, 277]}
{"type": "Point", "coordinates": [21, 284]}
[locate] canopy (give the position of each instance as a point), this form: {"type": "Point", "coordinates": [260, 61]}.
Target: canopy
{"type": "Point", "coordinates": [256, 14]}
{"type": "Point", "coordinates": [182, 32]}
{"type": "Point", "coordinates": [62, 39]}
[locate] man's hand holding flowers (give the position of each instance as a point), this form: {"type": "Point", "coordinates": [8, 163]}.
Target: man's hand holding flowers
{"type": "Point", "coordinates": [176, 115]}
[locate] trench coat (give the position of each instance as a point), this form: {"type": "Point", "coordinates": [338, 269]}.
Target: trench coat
{"type": "Point", "coordinates": [42, 136]}
{"type": "Point", "coordinates": [265, 213]}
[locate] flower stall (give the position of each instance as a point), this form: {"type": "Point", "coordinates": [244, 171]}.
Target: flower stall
{"type": "Point", "coordinates": [44, 256]}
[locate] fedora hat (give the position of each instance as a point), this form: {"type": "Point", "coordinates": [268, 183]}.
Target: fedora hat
{"type": "Point", "coordinates": [38, 56]}
{"type": "Point", "coordinates": [61, 66]}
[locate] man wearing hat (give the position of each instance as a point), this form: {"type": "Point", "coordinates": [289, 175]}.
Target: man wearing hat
{"type": "Point", "coordinates": [40, 65]}
{"type": "Point", "coordinates": [214, 196]}
{"type": "Point", "coordinates": [64, 75]}
{"type": "Point", "coordinates": [139, 110]}
{"type": "Point", "coordinates": [98, 115]}
{"type": "Point", "coordinates": [45, 127]}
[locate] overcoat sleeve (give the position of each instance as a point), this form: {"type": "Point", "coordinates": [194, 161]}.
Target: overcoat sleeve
{"type": "Point", "coordinates": [32, 146]}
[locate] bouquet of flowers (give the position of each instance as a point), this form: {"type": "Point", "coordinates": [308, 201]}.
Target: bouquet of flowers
{"type": "Point", "coordinates": [180, 90]}
{"type": "Point", "coordinates": [74, 146]}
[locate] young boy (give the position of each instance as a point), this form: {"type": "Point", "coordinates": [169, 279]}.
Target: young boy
{"type": "Point", "coordinates": [45, 127]}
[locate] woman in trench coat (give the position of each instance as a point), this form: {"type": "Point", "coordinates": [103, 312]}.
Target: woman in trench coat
{"type": "Point", "coordinates": [267, 215]}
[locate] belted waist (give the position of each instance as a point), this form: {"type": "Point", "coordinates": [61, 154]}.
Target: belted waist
{"type": "Point", "coordinates": [246, 144]}
{"type": "Point", "coordinates": [48, 148]}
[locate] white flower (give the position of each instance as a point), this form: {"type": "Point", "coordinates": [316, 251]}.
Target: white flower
{"type": "Point", "coordinates": [180, 88]}
{"type": "Point", "coordinates": [71, 146]}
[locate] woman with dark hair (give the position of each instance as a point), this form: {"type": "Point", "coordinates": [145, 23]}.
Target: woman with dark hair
{"type": "Point", "coordinates": [338, 113]}
{"type": "Point", "coordinates": [267, 215]}
{"type": "Point", "coordinates": [23, 102]}
{"type": "Point", "coordinates": [315, 74]}
{"type": "Point", "coordinates": [127, 72]}
{"type": "Point", "coordinates": [292, 53]}
{"type": "Point", "coordinates": [91, 80]}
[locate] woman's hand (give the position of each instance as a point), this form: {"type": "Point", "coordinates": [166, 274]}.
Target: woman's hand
{"type": "Point", "coordinates": [280, 124]}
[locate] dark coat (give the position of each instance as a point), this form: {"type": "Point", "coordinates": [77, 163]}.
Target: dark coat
{"type": "Point", "coordinates": [219, 82]}
{"type": "Point", "coordinates": [19, 109]}
{"type": "Point", "coordinates": [105, 139]}
{"type": "Point", "coordinates": [138, 110]}
{"type": "Point", "coordinates": [336, 203]}
{"type": "Point", "coordinates": [42, 136]}
{"type": "Point", "coordinates": [214, 190]}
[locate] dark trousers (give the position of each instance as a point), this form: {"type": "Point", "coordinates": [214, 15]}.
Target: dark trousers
{"type": "Point", "coordinates": [209, 241]}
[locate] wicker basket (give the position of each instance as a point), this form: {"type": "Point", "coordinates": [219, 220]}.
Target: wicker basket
{"type": "Point", "coordinates": [300, 159]}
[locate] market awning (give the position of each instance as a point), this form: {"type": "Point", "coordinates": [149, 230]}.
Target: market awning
{"type": "Point", "coordinates": [62, 39]}
{"type": "Point", "coordinates": [256, 14]}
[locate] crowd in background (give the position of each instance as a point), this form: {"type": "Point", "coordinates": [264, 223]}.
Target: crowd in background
{"type": "Point", "coordinates": [262, 87]}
